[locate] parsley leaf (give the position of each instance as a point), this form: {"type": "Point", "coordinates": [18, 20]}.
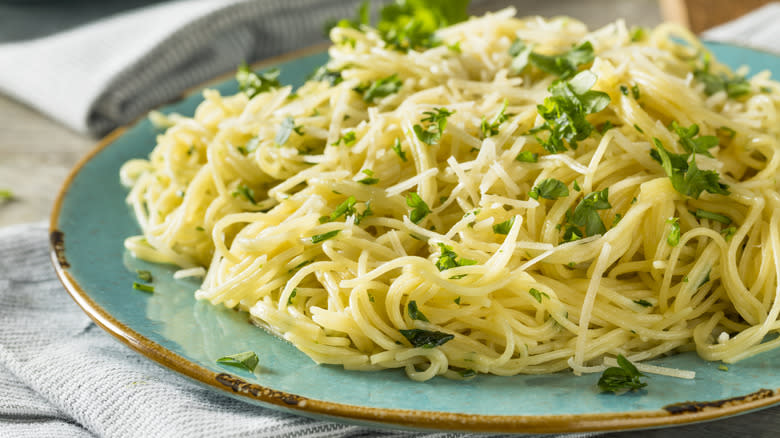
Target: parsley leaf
{"type": "Point", "coordinates": [253, 83]}
{"type": "Point", "coordinates": [299, 266]}
{"type": "Point", "coordinates": [550, 188]}
{"type": "Point", "coordinates": [685, 175]}
{"type": "Point", "coordinates": [449, 259]}
{"type": "Point", "coordinates": [624, 376]}
{"type": "Point", "coordinates": [411, 24]}
{"type": "Point", "coordinates": [565, 110]}
{"type": "Point", "coordinates": [143, 287]}
{"type": "Point", "coordinates": [527, 157]}
{"type": "Point", "coordinates": [144, 275]}
{"type": "Point", "coordinates": [246, 192]}
{"type": "Point", "coordinates": [704, 214]}
{"type": "Point", "coordinates": [490, 129]}
{"type": "Point", "coordinates": [348, 138]}
{"type": "Point", "coordinates": [426, 338]}
{"type": "Point", "coordinates": [324, 236]}
{"type": "Point", "coordinates": [250, 146]}
{"type": "Point", "coordinates": [292, 296]}
{"type": "Point", "coordinates": [397, 149]}
{"type": "Point", "coordinates": [674, 233]}
{"type": "Point", "coordinates": [419, 208]}
{"type": "Point", "coordinates": [436, 123]}
{"type": "Point", "coordinates": [369, 180]}
{"type": "Point", "coordinates": [504, 227]}
{"type": "Point", "coordinates": [519, 53]}
{"type": "Point", "coordinates": [537, 294]}
{"type": "Point", "coordinates": [346, 208]}
{"type": "Point", "coordinates": [644, 303]}
{"type": "Point", "coordinates": [585, 214]}
{"type": "Point", "coordinates": [322, 74]}
{"type": "Point", "coordinates": [565, 64]}
{"type": "Point", "coordinates": [415, 313]}
{"type": "Point", "coordinates": [247, 360]}
{"type": "Point", "coordinates": [736, 86]}
{"type": "Point", "coordinates": [286, 129]}
{"type": "Point", "coordinates": [380, 88]}
{"type": "Point", "coordinates": [699, 145]}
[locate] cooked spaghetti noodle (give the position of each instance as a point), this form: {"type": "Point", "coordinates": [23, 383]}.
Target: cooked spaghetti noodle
{"type": "Point", "coordinates": [382, 218]}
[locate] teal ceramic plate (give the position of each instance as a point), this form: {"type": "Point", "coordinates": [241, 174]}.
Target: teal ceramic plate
{"type": "Point", "coordinates": [91, 220]}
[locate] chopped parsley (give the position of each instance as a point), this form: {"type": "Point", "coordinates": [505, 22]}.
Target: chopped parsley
{"type": "Point", "coordinates": [457, 300]}
{"type": "Point", "coordinates": [286, 129]}
{"type": "Point", "coordinates": [253, 83]}
{"type": "Point", "coordinates": [565, 110]}
{"type": "Point", "coordinates": [565, 64]}
{"type": "Point", "coordinates": [527, 157]}
{"type": "Point", "coordinates": [674, 233]}
{"type": "Point", "coordinates": [504, 227]}
{"type": "Point", "coordinates": [415, 313]}
{"type": "Point", "coordinates": [143, 287]}
{"type": "Point", "coordinates": [489, 129]}
{"type": "Point", "coordinates": [638, 129]}
{"type": "Point", "coordinates": [604, 127]}
{"type": "Point", "coordinates": [576, 186]}
{"type": "Point", "coordinates": [637, 34]}
{"type": "Point", "coordinates": [700, 145]}
{"type": "Point", "coordinates": [685, 175]}
{"type": "Point", "coordinates": [419, 208]}
{"type": "Point", "coordinates": [322, 74]}
{"type": "Point", "coordinates": [346, 208]}
{"type": "Point", "coordinates": [537, 294]}
{"type": "Point", "coordinates": [250, 146]}
{"type": "Point", "coordinates": [586, 213]}
{"type": "Point", "coordinates": [426, 338]}
{"type": "Point", "coordinates": [247, 360]}
{"type": "Point", "coordinates": [299, 266]}
{"type": "Point", "coordinates": [735, 86]}
{"type": "Point", "coordinates": [728, 233]}
{"type": "Point", "coordinates": [644, 303]}
{"type": "Point", "coordinates": [704, 214]}
{"type": "Point", "coordinates": [369, 179]}
{"type": "Point", "coordinates": [348, 138]}
{"type": "Point", "coordinates": [436, 122]}
{"type": "Point", "coordinates": [324, 236]}
{"type": "Point", "coordinates": [246, 192]}
{"type": "Point", "coordinates": [550, 188]}
{"type": "Point", "coordinates": [449, 259]}
{"type": "Point", "coordinates": [412, 24]}
{"type": "Point", "coordinates": [397, 149]}
{"type": "Point", "coordinates": [635, 91]}
{"type": "Point", "coordinates": [725, 131]}
{"type": "Point", "coordinates": [623, 377]}
{"type": "Point", "coordinates": [144, 275]}
{"type": "Point", "coordinates": [624, 90]}
{"type": "Point", "coordinates": [292, 295]}
{"type": "Point", "coordinates": [380, 88]}
{"type": "Point", "coordinates": [519, 52]}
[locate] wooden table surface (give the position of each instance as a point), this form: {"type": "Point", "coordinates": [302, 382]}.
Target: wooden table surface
{"type": "Point", "coordinates": [37, 153]}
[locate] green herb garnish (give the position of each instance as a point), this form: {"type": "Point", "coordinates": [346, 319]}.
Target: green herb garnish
{"type": "Point", "coordinates": [419, 208]}
{"type": "Point", "coordinates": [287, 127]}
{"type": "Point", "coordinates": [674, 232]}
{"type": "Point", "coordinates": [415, 313]}
{"type": "Point", "coordinates": [144, 275]}
{"type": "Point", "coordinates": [527, 157]}
{"type": "Point", "coordinates": [704, 214]}
{"type": "Point", "coordinates": [550, 188]}
{"type": "Point", "coordinates": [324, 236]}
{"type": "Point", "coordinates": [644, 303]}
{"type": "Point", "coordinates": [246, 192]}
{"type": "Point", "coordinates": [700, 145]}
{"type": "Point", "coordinates": [426, 338]}
{"type": "Point", "coordinates": [247, 360]}
{"type": "Point", "coordinates": [685, 175]}
{"type": "Point", "coordinates": [397, 149]}
{"type": "Point", "coordinates": [380, 88]}
{"type": "Point", "coordinates": [348, 138]}
{"type": "Point", "coordinates": [565, 110]}
{"type": "Point", "coordinates": [623, 377]}
{"type": "Point", "coordinates": [449, 259]}
{"type": "Point", "coordinates": [504, 227]}
{"type": "Point", "coordinates": [537, 294]}
{"type": "Point", "coordinates": [735, 86]}
{"type": "Point", "coordinates": [586, 215]}
{"type": "Point", "coordinates": [369, 179]}
{"type": "Point", "coordinates": [489, 129]}
{"type": "Point", "coordinates": [250, 146]}
{"type": "Point", "coordinates": [253, 83]}
{"type": "Point", "coordinates": [322, 74]}
{"type": "Point", "coordinates": [299, 266]}
{"type": "Point", "coordinates": [565, 64]}
{"type": "Point", "coordinates": [143, 287]}
{"type": "Point", "coordinates": [436, 122]}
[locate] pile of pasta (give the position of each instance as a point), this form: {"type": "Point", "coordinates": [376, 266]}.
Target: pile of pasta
{"type": "Point", "coordinates": [412, 209]}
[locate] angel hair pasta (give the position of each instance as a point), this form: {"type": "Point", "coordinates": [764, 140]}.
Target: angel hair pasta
{"type": "Point", "coordinates": [514, 196]}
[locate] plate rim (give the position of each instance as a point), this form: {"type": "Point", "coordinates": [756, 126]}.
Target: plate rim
{"type": "Point", "coordinates": [685, 412]}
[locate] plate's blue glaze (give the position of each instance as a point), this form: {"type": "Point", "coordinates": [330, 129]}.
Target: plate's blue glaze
{"type": "Point", "coordinates": [94, 221]}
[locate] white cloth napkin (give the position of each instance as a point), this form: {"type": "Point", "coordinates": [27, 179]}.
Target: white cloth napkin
{"type": "Point", "coordinates": [759, 29]}
{"type": "Point", "coordinates": [107, 73]}
{"type": "Point", "coordinates": [62, 376]}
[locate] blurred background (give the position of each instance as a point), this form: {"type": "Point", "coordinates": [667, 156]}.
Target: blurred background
{"type": "Point", "coordinates": [37, 151]}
